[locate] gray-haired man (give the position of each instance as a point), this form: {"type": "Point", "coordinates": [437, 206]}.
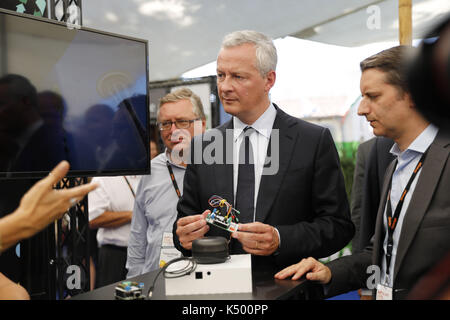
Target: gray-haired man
{"type": "Point", "coordinates": [299, 210]}
{"type": "Point", "coordinates": [180, 116]}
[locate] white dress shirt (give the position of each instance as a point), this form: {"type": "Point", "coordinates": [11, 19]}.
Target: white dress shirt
{"type": "Point", "coordinates": [112, 194]}
{"type": "Point", "coordinates": [259, 139]}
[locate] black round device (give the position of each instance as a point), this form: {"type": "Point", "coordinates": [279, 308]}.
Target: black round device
{"type": "Point", "coordinates": [210, 250]}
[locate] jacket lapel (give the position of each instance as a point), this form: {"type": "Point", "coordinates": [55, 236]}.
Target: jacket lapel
{"type": "Point", "coordinates": [426, 185]}
{"type": "Point", "coordinates": [278, 151]}
{"type": "Point", "coordinates": [379, 226]}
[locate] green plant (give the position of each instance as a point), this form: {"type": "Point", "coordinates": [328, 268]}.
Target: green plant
{"type": "Point", "coordinates": [347, 154]}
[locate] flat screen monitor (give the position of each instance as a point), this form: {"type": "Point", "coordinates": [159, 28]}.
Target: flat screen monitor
{"type": "Point", "coordinates": [73, 94]}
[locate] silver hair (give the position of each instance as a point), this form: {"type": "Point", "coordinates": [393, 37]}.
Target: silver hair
{"type": "Point", "coordinates": [184, 94]}
{"type": "Point", "coordinates": [266, 53]}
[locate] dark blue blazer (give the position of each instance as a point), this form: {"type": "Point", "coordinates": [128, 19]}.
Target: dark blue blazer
{"type": "Point", "coordinates": [305, 200]}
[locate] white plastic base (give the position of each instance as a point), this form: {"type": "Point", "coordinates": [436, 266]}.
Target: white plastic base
{"type": "Point", "coordinates": [232, 276]}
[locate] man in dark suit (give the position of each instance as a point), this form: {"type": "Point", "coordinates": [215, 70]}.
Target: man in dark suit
{"type": "Point", "coordinates": [293, 203]}
{"type": "Point", "coordinates": [372, 159]}
{"type": "Point", "coordinates": [412, 231]}
{"type": "Point", "coordinates": [356, 203]}
{"type": "Point", "coordinates": [378, 160]}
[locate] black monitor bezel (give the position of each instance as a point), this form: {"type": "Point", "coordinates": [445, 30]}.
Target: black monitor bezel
{"type": "Point", "coordinates": [87, 173]}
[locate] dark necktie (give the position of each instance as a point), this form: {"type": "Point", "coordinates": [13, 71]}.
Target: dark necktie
{"type": "Point", "coordinates": [245, 193]}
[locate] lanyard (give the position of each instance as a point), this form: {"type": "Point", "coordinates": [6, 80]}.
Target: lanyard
{"type": "Point", "coordinates": [174, 181]}
{"type": "Point", "coordinates": [129, 186]}
{"type": "Point", "coordinates": [392, 220]}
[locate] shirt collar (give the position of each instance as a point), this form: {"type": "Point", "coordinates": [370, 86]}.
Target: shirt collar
{"type": "Point", "coordinates": [263, 124]}
{"type": "Point", "coordinates": [167, 158]}
{"type": "Point", "coordinates": [421, 143]}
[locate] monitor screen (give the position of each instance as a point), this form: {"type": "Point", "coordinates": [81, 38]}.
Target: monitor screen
{"type": "Point", "coordinates": [71, 94]}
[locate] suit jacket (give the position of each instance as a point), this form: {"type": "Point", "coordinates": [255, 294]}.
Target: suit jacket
{"type": "Point", "coordinates": [305, 200]}
{"type": "Point", "coordinates": [362, 156]}
{"type": "Point", "coordinates": [377, 161]}
{"type": "Point", "coordinates": [425, 235]}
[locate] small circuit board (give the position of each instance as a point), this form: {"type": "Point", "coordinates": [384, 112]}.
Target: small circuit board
{"type": "Point", "coordinates": [128, 290]}
{"type": "Point", "coordinates": [223, 215]}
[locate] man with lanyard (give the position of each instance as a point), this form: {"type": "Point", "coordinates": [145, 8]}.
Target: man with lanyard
{"type": "Point", "coordinates": [180, 117]}
{"type": "Point", "coordinates": [413, 224]}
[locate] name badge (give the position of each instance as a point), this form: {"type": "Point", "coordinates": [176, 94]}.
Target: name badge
{"type": "Point", "coordinates": [168, 250]}
{"type": "Point", "coordinates": [384, 292]}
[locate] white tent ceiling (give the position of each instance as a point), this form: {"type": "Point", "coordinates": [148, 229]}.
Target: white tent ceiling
{"type": "Point", "coordinates": [185, 34]}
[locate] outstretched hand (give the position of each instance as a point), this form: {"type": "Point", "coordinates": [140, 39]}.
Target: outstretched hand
{"type": "Point", "coordinates": [314, 270]}
{"type": "Point", "coordinates": [42, 204]}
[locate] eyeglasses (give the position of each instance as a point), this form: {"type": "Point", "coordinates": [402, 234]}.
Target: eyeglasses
{"type": "Point", "coordinates": [180, 124]}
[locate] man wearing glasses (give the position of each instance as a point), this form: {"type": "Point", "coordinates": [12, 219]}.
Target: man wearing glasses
{"type": "Point", "coordinates": [180, 117]}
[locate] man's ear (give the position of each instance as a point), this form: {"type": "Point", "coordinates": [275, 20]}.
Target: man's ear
{"type": "Point", "coordinates": [409, 100]}
{"type": "Point", "coordinates": [204, 125]}
{"type": "Point", "coordinates": [270, 80]}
